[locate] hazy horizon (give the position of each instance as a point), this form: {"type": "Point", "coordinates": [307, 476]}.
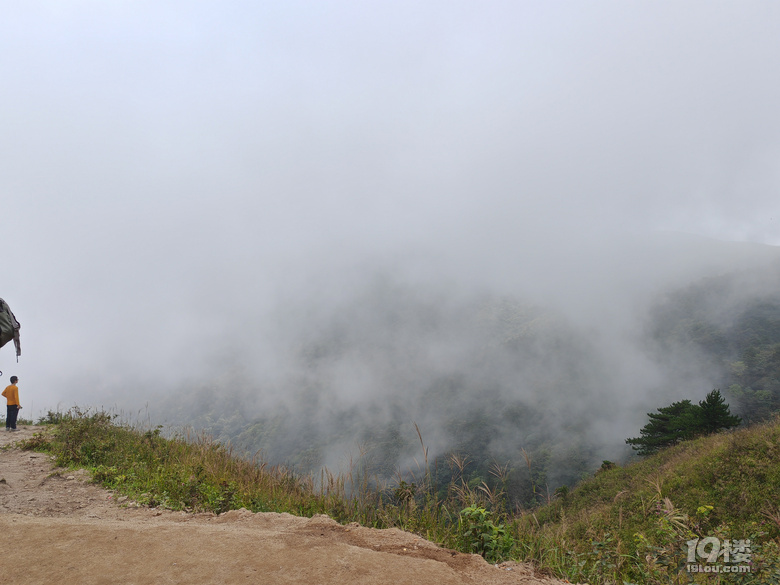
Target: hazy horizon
{"type": "Point", "coordinates": [185, 183]}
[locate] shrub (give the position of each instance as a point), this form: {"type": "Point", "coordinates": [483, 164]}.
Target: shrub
{"type": "Point", "coordinates": [478, 534]}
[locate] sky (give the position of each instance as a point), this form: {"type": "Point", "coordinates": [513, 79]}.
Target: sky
{"type": "Point", "coordinates": [170, 172]}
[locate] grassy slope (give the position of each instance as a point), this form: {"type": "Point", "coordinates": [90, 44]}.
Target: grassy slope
{"type": "Point", "coordinates": [633, 522]}
{"type": "Point", "coordinates": [622, 525]}
{"type": "Point", "coordinates": [195, 473]}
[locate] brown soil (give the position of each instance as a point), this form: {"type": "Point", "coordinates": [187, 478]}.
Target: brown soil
{"type": "Point", "coordinates": [55, 526]}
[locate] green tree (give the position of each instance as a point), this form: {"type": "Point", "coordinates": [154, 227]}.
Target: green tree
{"type": "Point", "coordinates": [714, 414]}
{"type": "Point", "coordinates": [683, 420]}
{"type": "Point", "coordinates": [670, 425]}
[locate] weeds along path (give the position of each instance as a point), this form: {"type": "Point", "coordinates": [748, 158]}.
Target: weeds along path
{"type": "Point", "coordinates": [56, 526]}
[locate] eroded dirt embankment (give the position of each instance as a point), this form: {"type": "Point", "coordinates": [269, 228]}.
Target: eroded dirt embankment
{"type": "Point", "coordinates": [55, 526]}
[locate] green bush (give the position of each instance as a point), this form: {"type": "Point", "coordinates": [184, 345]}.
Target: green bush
{"type": "Point", "coordinates": [478, 534]}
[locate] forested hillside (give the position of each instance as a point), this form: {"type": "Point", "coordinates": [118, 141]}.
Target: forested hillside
{"type": "Point", "coordinates": [492, 380]}
{"type": "Point", "coordinates": [493, 388]}
{"type": "Point", "coordinates": [733, 323]}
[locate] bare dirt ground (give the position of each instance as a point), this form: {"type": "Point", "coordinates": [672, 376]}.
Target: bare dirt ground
{"type": "Point", "coordinates": [55, 526]}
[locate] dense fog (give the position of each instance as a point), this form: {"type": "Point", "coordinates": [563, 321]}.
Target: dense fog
{"type": "Point", "coordinates": [339, 207]}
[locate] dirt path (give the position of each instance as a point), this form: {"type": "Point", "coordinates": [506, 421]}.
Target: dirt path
{"type": "Point", "coordinates": [57, 527]}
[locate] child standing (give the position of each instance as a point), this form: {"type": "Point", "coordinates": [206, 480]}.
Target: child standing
{"type": "Point", "coordinates": [11, 394]}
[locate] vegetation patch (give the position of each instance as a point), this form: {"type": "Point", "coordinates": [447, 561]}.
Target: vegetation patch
{"type": "Point", "coordinates": [633, 524]}
{"type": "Point", "coordinates": [639, 524]}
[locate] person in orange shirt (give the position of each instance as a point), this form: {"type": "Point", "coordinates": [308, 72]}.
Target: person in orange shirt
{"type": "Point", "coordinates": [11, 394]}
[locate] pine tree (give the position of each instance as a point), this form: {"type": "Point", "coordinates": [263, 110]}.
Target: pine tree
{"type": "Point", "coordinates": [683, 420]}
{"type": "Point", "coordinates": [714, 414]}
{"type": "Point", "coordinates": [670, 425]}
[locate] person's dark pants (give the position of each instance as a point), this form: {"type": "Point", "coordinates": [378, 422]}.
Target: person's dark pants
{"type": "Point", "coordinates": [10, 418]}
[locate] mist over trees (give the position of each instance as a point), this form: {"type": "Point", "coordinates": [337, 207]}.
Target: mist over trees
{"type": "Point", "coordinates": [730, 324]}
{"type": "Point", "coordinates": [312, 232]}
{"type": "Point", "coordinates": [491, 381]}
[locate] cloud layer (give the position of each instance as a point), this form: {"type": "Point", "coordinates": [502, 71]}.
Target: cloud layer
{"type": "Point", "coordinates": [171, 171]}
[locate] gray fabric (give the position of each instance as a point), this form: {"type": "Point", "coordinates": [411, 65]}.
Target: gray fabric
{"type": "Point", "coordinates": [9, 327]}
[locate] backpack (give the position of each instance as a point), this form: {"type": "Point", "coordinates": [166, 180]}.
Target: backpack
{"type": "Point", "coordinates": [9, 328]}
